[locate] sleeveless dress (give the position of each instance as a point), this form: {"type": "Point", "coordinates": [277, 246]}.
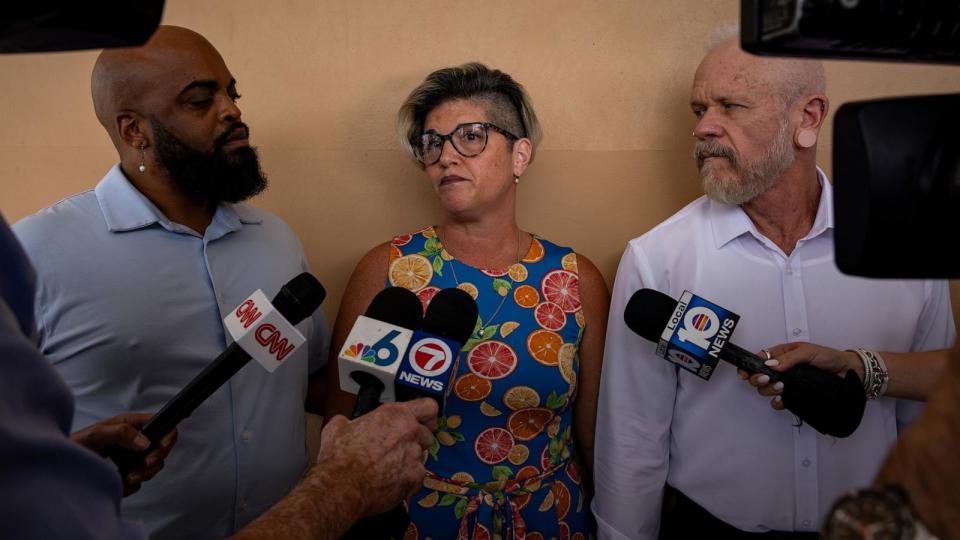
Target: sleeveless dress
{"type": "Point", "coordinates": [501, 465]}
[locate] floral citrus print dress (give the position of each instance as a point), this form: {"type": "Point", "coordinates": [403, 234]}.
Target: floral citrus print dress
{"type": "Point", "coordinates": [501, 465]}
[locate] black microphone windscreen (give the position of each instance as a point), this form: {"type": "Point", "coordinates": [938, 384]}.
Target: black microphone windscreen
{"type": "Point", "coordinates": [299, 298]}
{"type": "Point", "coordinates": [452, 314]}
{"type": "Point", "coordinates": [648, 312]}
{"type": "Point", "coordinates": [396, 306]}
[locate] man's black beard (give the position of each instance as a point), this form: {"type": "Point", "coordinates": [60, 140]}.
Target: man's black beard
{"type": "Point", "coordinates": [210, 176]}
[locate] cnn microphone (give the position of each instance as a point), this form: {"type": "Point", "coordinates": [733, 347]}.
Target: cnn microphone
{"type": "Point", "coordinates": [695, 334]}
{"type": "Point", "coordinates": [372, 353]}
{"type": "Point", "coordinates": [261, 329]}
{"type": "Point", "coordinates": [431, 360]}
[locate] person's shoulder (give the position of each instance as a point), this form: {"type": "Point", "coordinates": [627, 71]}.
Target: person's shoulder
{"type": "Point", "coordinates": [690, 220]}
{"type": "Point", "coordinates": [50, 223]}
{"type": "Point", "coordinates": [252, 214]}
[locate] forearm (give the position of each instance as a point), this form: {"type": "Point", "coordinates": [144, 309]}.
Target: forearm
{"type": "Point", "coordinates": [914, 375]}
{"type": "Point", "coordinates": [924, 460]}
{"type": "Point", "coordinates": [321, 507]}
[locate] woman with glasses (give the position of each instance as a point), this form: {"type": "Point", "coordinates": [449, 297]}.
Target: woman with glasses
{"type": "Point", "coordinates": [514, 447]}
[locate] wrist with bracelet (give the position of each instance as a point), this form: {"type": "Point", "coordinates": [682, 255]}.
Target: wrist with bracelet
{"type": "Point", "coordinates": [875, 374]}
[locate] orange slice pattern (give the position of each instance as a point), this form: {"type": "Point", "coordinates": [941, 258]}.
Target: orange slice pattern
{"type": "Point", "coordinates": [544, 346]}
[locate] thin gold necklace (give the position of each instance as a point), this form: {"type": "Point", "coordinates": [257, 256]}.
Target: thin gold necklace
{"type": "Point", "coordinates": [484, 324]}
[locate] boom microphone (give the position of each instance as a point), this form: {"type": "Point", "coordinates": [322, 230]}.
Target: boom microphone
{"type": "Point", "coordinates": [695, 333]}
{"type": "Point", "coordinates": [431, 360]}
{"type": "Point", "coordinates": [262, 330]}
{"type": "Point", "coordinates": [379, 339]}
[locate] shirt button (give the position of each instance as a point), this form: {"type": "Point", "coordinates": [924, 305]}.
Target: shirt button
{"type": "Point", "coordinates": [789, 271]}
{"type": "Point", "coordinates": [797, 331]}
{"type": "Point", "coordinates": [246, 436]}
{"type": "Point", "coordinates": [805, 463]}
{"type": "Point", "coordinates": [805, 523]}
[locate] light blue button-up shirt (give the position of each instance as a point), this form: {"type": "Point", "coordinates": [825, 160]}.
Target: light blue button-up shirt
{"type": "Point", "coordinates": [130, 307]}
{"type": "Point", "coordinates": [718, 441]}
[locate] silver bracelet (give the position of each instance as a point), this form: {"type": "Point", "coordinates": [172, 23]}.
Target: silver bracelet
{"type": "Point", "coordinates": [875, 375]}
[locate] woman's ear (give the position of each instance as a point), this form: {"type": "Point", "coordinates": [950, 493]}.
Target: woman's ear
{"type": "Point", "coordinates": [522, 152]}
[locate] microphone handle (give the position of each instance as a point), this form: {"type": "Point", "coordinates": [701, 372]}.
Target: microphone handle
{"type": "Point", "coordinates": [829, 404]}
{"type": "Point", "coordinates": [804, 376]}
{"type": "Point", "coordinates": [183, 404]}
{"type": "Point", "coordinates": [368, 397]}
{"type": "Point", "coordinates": [391, 525]}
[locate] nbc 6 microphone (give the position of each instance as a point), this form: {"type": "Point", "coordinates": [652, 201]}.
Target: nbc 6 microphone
{"type": "Point", "coordinates": [425, 369]}
{"type": "Point", "coordinates": [262, 330]}
{"type": "Point", "coordinates": [371, 354]}
{"type": "Point", "coordinates": [695, 334]}
{"type": "Point", "coordinates": [431, 360]}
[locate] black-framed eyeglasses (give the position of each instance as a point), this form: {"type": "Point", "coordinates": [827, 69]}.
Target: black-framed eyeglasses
{"type": "Point", "coordinates": [468, 139]}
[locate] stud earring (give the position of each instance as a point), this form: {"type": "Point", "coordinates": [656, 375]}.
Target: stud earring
{"type": "Point", "coordinates": [143, 155]}
{"type": "Point", "coordinates": [516, 179]}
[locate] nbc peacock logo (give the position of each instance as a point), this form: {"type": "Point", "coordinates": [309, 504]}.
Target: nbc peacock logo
{"type": "Point", "coordinates": [361, 351]}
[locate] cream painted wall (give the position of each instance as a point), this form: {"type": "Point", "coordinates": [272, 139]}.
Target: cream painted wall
{"type": "Point", "coordinates": [322, 80]}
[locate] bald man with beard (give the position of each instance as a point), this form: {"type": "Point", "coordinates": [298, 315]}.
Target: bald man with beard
{"type": "Point", "coordinates": [135, 276]}
{"type": "Point", "coordinates": [759, 243]}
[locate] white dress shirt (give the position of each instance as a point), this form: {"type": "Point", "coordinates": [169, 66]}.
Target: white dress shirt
{"type": "Point", "coordinates": [718, 441]}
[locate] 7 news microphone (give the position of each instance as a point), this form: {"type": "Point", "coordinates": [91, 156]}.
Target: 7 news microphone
{"type": "Point", "coordinates": [261, 329]}
{"type": "Point", "coordinates": [695, 334]}
{"type": "Point", "coordinates": [401, 362]}
{"type": "Point", "coordinates": [430, 365]}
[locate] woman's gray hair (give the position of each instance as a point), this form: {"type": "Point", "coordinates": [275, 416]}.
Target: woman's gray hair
{"type": "Point", "coordinates": [507, 103]}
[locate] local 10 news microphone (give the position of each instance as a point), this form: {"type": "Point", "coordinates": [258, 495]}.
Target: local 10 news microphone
{"type": "Point", "coordinates": [695, 334]}
{"type": "Point", "coordinates": [262, 330]}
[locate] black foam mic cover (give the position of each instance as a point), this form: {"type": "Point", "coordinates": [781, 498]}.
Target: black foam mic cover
{"type": "Point", "coordinates": [452, 314]}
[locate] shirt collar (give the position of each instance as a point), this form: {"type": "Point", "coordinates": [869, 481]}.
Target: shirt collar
{"type": "Point", "coordinates": [124, 208]}
{"type": "Point", "coordinates": [730, 221]}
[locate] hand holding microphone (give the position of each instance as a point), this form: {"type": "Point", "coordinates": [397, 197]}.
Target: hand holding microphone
{"type": "Point", "coordinates": [123, 432]}
{"type": "Point", "coordinates": [379, 455]}
{"type": "Point", "coordinates": [786, 356]}
{"type": "Point", "coordinates": [262, 330]}
{"type": "Point", "coordinates": [695, 334]}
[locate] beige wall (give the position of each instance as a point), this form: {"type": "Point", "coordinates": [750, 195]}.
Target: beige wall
{"type": "Point", "coordinates": [322, 80]}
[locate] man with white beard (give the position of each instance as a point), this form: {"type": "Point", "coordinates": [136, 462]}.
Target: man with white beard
{"type": "Point", "coordinates": [760, 243]}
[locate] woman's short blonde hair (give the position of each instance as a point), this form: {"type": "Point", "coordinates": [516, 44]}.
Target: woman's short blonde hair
{"type": "Point", "coordinates": [508, 105]}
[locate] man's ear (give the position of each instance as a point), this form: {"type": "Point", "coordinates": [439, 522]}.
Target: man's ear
{"type": "Point", "coordinates": [813, 114]}
{"type": "Point", "coordinates": [131, 128]}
